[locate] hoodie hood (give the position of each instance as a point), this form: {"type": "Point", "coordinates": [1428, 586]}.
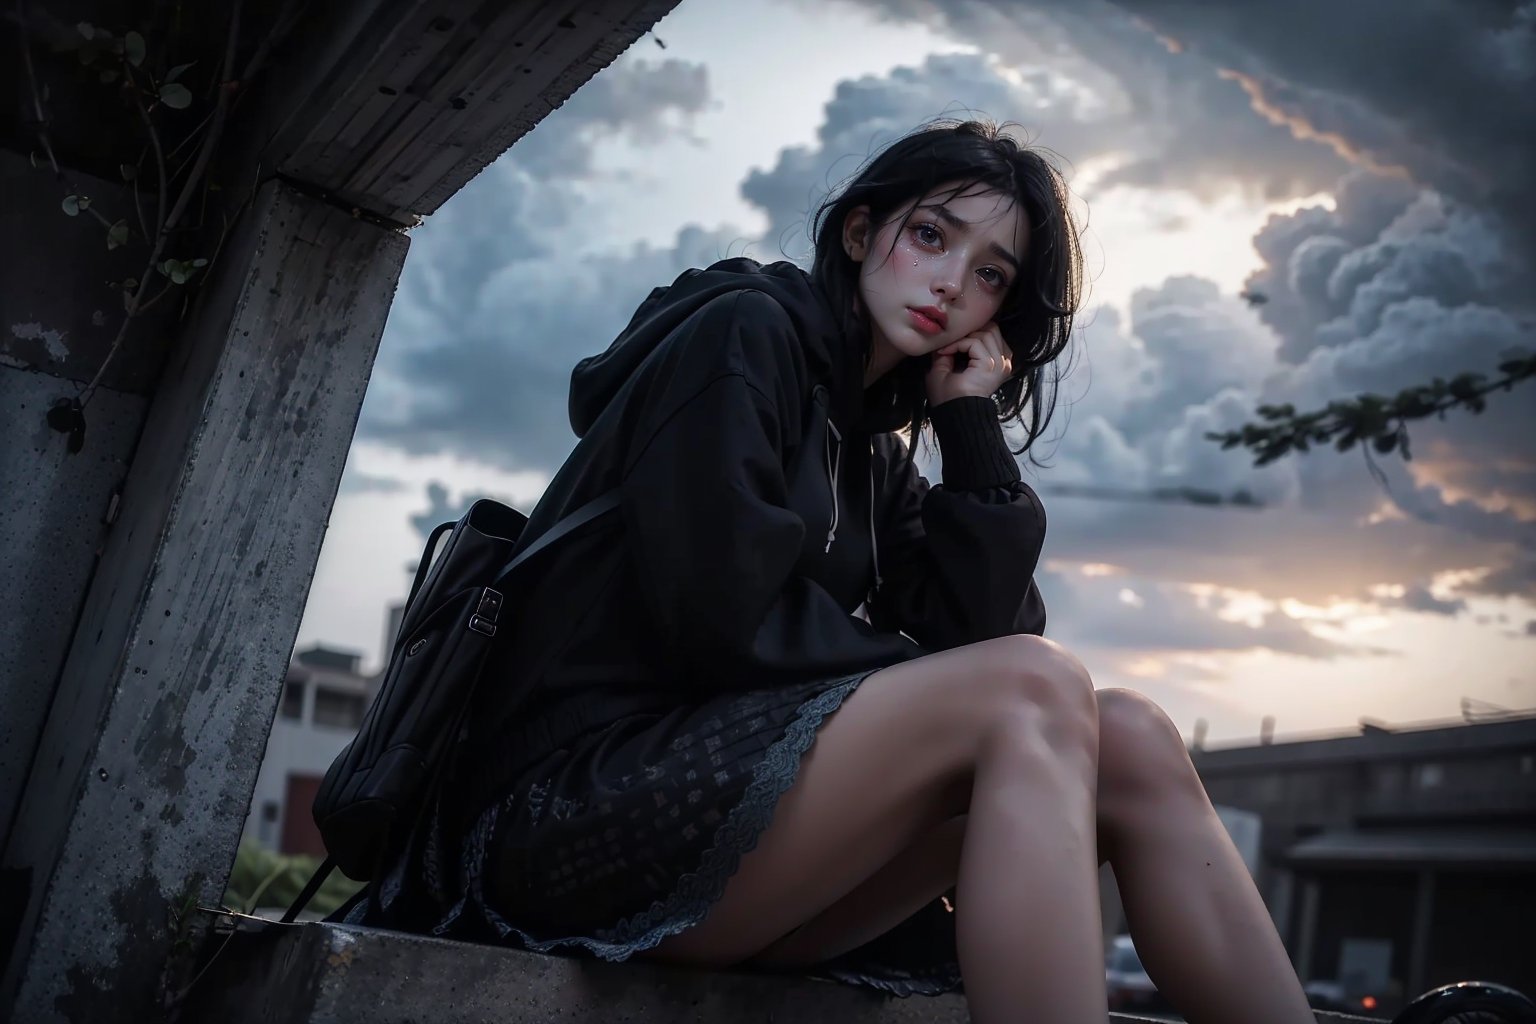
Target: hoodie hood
{"type": "Point", "coordinates": [597, 379]}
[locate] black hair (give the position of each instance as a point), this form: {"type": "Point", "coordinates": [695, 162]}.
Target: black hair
{"type": "Point", "coordinates": [1036, 316]}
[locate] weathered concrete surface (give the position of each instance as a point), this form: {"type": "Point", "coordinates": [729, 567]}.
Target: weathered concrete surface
{"type": "Point", "coordinates": [58, 317]}
{"type": "Point", "coordinates": [332, 974]}
{"type": "Point", "coordinates": [138, 792]}
{"type": "Point", "coordinates": [52, 520]}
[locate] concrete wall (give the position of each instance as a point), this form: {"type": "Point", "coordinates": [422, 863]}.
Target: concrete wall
{"type": "Point", "coordinates": [155, 731]}
{"type": "Point", "coordinates": [57, 321]}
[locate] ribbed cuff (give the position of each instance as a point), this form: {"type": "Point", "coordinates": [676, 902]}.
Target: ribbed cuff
{"type": "Point", "coordinates": [976, 454]}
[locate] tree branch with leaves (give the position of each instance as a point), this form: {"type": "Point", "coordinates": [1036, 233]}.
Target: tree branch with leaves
{"type": "Point", "coordinates": [1375, 420]}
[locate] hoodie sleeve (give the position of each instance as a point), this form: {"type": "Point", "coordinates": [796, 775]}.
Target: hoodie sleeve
{"type": "Point", "coordinates": [958, 561]}
{"type": "Point", "coordinates": [705, 502]}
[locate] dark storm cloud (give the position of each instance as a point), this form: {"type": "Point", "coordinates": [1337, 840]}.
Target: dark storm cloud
{"type": "Point", "coordinates": [1190, 361]}
{"type": "Point", "coordinates": [633, 100]}
{"type": "Point", "coordinates": [1444, 90]}
{"type": "Point", "coordinates": [493, 314]}
{"type": "Point", "coordinates": [866, 114]}
{"type": "Point", "coordinates": [493, 310]}
{"type": "Point", "coordinates": [492, 387]}
{"type": "Point", "coordinates": [1394, 288]}
{"type": "Point", "coordinates": [1173, 121]}
{"type": "Point", "coordinates": [1420, 275]}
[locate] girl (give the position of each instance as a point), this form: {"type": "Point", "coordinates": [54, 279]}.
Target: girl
{"type": "Point", "coordinates": [790, 699]}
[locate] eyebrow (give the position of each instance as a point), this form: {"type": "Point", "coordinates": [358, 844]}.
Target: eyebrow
{"type": "Point", "coordinates": [950, 219]}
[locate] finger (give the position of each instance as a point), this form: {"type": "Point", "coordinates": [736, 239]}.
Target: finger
{"type": "Point", "coordinates": [1000, 349]}
{"type": "Point", "coordinates": [977, 352]}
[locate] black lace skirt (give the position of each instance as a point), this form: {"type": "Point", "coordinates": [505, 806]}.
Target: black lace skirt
{"type": "Point", "coordinates": [629, 836]}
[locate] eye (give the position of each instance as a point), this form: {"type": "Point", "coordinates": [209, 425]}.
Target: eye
{"type": "Point", "coordinates": [993, 277]}
{"type": "Point", "coordinates": [928, 234]}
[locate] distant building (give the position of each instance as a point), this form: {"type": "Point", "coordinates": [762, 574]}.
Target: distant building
{"type": "Point", "coordinates": [324, 697]}
{"type": "Point", "coordinates": [1396, 859]}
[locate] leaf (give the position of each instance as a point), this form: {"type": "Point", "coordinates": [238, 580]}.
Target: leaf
{"type": "Point", "coordinates": [130, 283]}
{"type": "Point", "coordinates": [175, 95]}
{"type": "Point", "coordinates": [134, 48]}
{"type": "Point", "coordinates": [128, 171]}
{"type": "Point", "coordinates": [72, 205]}
{"type": "Point", "coordinates": [179, 274]}
{"type": "Point", "coordinates": [86, 29]}
{"type": "Point", "coordinates": [165, 267]}
{"type": "Point", "coordinates": [175, 72]}
{"type": "Point", "coordinates": [117, 234]}
{"type": "Point", "coordinates": [199, 262]}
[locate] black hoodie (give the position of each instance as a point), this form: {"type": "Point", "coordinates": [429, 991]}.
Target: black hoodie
{"type": "Point", "coordinates": [758, 512]}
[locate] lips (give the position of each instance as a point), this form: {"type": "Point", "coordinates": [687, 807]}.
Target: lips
{"type": "Point", "coordinates": [927, 319]}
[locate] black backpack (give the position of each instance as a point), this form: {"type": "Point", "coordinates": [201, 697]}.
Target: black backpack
{"type": "Point", "coordinates": [377, 788]}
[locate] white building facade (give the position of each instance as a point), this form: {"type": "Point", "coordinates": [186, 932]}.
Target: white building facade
{"type": "Point", "coordinates": [324, 697]}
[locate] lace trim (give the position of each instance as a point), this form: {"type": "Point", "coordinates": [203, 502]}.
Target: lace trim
{"type": "Point", "coordinates": [738, 835]}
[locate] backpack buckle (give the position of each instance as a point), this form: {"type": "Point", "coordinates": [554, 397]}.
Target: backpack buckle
{"type": "Point", "coordinates": [486, 612]}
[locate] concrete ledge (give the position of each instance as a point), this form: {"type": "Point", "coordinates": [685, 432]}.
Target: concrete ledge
{"type": "Point", "coordinates": [334, 974]}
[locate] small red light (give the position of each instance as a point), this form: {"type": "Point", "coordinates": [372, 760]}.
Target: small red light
{"type": "Point", "coordinates": [1369, 1002]}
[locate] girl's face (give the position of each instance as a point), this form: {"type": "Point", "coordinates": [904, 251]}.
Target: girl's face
{"type": "Point", "coordinates": [937, 274]}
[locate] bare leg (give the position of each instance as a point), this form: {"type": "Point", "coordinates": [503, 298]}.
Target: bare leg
{"type": "Point", "coordinates": [1200, 926]}
{"type": "Point", "coordinates": [1006, 730]}
{"type": "Point", "coordinates": [918, 875]}
{"type": "Point", "coordinates": [1203, 931]}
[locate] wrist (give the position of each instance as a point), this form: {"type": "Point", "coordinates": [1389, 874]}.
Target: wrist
{"type": "Point", "coordinates": [972, 445]}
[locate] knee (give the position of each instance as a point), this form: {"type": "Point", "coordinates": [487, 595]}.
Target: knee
{"type": "Point", "coordinates": [1140, 747]}
{"type": "Point", "coordinates": [1034, 683]}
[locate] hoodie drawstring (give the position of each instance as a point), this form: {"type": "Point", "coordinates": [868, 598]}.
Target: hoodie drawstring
{"type": "Point", "coordinates": [834, 466]}
{"type": "Point", "coordinates": [874, 548]}
{"type": "Point", "coordinates": [834, 470]}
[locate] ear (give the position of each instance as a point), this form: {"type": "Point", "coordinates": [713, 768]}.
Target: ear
{"type": "Point", "coordinates": [856, 233]}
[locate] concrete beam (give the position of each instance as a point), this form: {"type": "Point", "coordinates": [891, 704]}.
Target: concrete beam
{"type": "Point", "coordinates": [58, 316]}
{"type": "Point", "coordinates": [396, 104]}
{"type": "Point", "coordinates": [136, 798]}
{"type": "Point", "coordinates": [334, 974]}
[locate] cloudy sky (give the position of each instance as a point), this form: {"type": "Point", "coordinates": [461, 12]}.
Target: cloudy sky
{"type": "Point", "coordinates": [1363, 166]}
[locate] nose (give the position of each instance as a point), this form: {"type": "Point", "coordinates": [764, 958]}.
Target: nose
{"type": "Point", "coordinates": [946, 283]}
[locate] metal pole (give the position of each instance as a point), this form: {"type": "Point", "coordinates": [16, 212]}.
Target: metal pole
{"type": "Point", "coordinates": [1307, 932]}
{"type": "Point", "coordinates": [1423, 918]}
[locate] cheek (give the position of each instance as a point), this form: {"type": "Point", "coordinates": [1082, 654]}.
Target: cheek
{"type": "Point", "coordinates": [889, 272]}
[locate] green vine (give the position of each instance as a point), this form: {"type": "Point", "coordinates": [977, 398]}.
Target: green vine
{"type": "Point", "coordinates": [1377, 420]}
{"type": "Point", "coordinates": [162, 185]}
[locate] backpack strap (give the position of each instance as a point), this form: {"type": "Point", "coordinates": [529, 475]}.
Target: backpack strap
{"type": "Point", "coordinates": [310, 888]}
{"type": "Point", "coordinates": [601, 505]}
